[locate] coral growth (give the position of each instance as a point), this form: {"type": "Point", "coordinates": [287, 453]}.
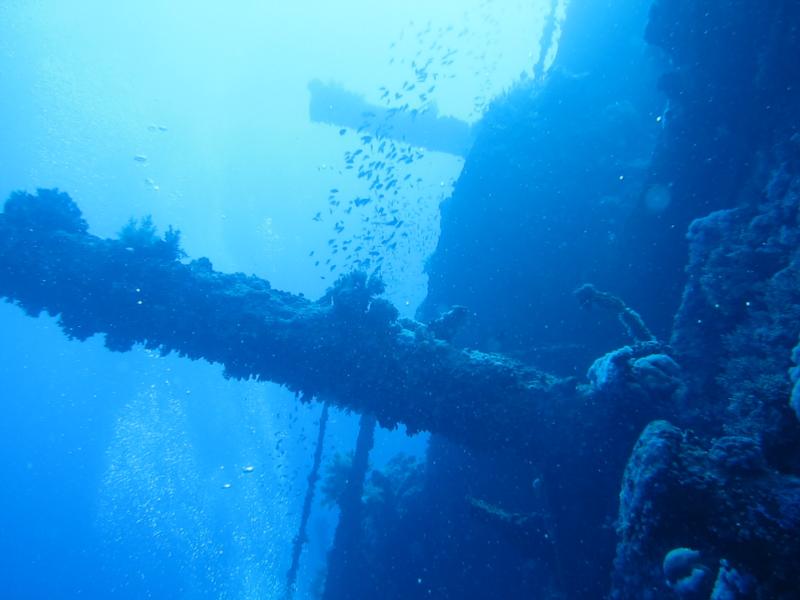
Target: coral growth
{"type": "Point", "coordinates": [722, 501]}
{"type": "Point", "coordinates": [795, 377]}
{"type": "Point", "coordinates": [49, 210]}
{"type": "Point", "coordinates": [348, 346]}
{"type": "Point", "coordinates": [740, 314]}
{"type": "Point", "coordinates": [588, 296]}
{"type": "Point", "coordinates": [142, 236]}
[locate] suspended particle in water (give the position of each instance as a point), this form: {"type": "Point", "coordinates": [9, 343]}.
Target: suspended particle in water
{"type": "Point", "coordinates": [657, 198]}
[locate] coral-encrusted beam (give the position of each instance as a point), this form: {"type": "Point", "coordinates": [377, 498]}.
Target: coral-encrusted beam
{"type": "Point", "coordinates": [349, 347]}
